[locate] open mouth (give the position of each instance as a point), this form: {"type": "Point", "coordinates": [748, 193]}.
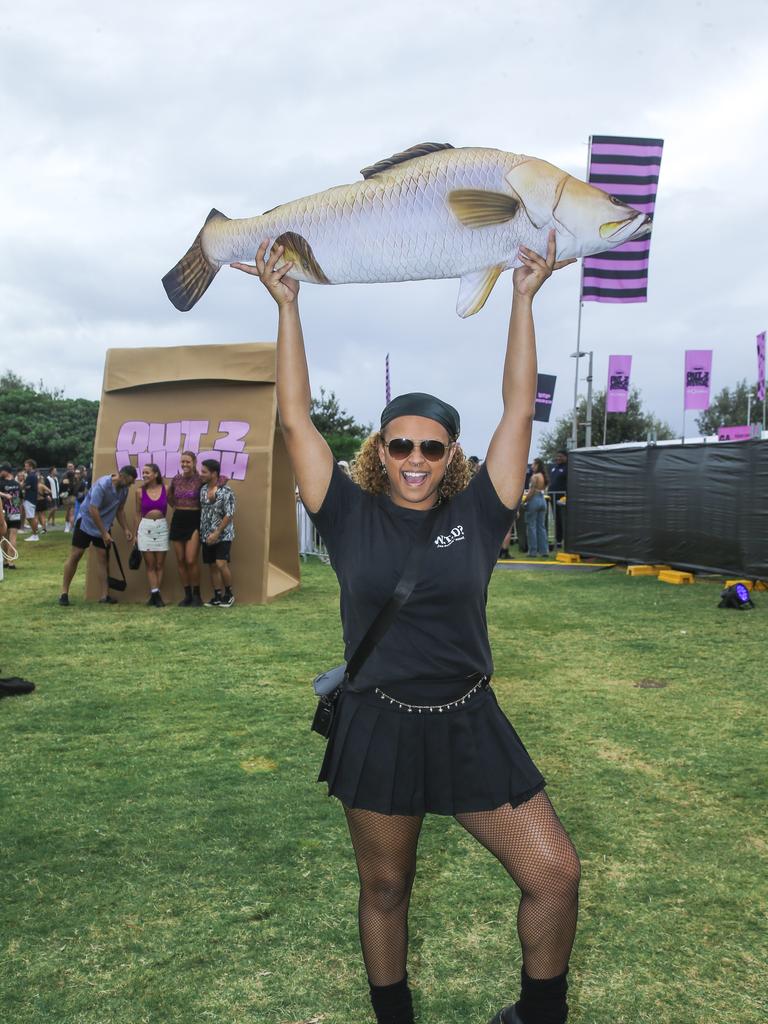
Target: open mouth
{"type": "Point", "coordinates": [414, 479]}
{"type": "Point", "coordinates": [613, 228]}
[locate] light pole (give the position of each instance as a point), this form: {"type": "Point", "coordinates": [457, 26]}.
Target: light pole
{"type": "Point", "coordinates": [574, 434]}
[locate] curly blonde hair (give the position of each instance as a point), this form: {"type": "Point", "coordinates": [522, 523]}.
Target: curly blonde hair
{"type": "Point", "coordinates": [367, 470]}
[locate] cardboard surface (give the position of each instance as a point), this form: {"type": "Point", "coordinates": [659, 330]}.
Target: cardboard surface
{"type": "Point", "coordinates": [218, 401]}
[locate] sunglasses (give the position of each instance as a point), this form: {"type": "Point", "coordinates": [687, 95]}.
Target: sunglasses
{"type": "Point", "coordinates": [401, 447]}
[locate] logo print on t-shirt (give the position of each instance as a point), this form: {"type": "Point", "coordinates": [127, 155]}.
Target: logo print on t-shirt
{"type": "Point", "coordinates": [445, 540]}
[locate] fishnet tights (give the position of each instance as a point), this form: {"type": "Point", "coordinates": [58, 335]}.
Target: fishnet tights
{"type": "Point", "coordinates": [528, 840]}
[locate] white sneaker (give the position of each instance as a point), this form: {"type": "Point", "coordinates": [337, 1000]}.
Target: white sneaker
{"type": "Point", "coordinates": [66, 528]}
{"type": "Point", "coordinates": [33, 537]}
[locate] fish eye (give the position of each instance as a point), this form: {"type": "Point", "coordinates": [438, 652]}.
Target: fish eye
{"type": "Point", "coordinates": [615, 201]}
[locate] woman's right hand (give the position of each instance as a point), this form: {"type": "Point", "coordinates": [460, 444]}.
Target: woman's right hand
{"type": "Point", "coordinates": [283, 290]}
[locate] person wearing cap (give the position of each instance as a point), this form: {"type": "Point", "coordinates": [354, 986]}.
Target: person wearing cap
{"type": "Point", "coordinates": [98, 510]}
{"type": "Point", "coordinates": [418, 730]}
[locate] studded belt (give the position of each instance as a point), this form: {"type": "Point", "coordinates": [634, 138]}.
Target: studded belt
{"type": "Point", "coordinates": [420, 709]}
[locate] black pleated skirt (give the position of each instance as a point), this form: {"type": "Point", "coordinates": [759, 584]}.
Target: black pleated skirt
{"type": "Point", "coordinates": [387, 753]}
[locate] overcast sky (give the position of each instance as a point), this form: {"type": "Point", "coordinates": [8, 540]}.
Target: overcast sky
{"type": "Point", "coordinates": [122, 125]}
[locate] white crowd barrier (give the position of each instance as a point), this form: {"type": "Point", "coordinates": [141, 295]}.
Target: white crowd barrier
{"type": "Point", "coordinates": [310, 542]}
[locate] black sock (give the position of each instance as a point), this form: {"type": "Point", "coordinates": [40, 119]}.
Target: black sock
{"type": "Point", "coordinates": [188, 591]}
{"type": "Point", "coordinates": [392, 1003]}
{"type": "Point", "coordinates": [542, 1000]}
{"type": "Point", "coordinates": [195, 590]}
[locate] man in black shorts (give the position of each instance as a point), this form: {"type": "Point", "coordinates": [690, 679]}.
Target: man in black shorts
{"type": "Point", "coordinates": [102, 505]}
{"type": "Point", "coordinates": [217, 511]}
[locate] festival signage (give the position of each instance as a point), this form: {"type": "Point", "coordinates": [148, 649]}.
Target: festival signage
{"type": "Point", "coordinates": [761, 366]}
{"type": "Point", "coordinates": [217, 401]}
{"type": "Point", "coordinates": [619, 369]}
{"type": "Point", "coordinates": [545, 393]}
{"type": "Point", "coordinates": [698, 371]}
{"type": "Point", "coordinates": [741, 433]}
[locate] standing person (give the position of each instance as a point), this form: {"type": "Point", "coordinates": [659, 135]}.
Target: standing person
{"type": "Point", "coordinates": [184, 498]}
{"type": "Point", "coordinates": [558, 488]}
{"type": "Point", "coordinates": [152, 533]}
{"type": "Point", "coordinates": [217, 531]}
{"type": "Point", "coordinates": [10, 493]}
{"type": "Point", "coordinates": [54, 485]}
{"type": "Point", "coordinates": [80, 490]}
{"type": "Point", "coordinates": [419, 729]}
{"type": "Point", "coordinates": [536, 511]}
{"type": "Point", "coordinates": [67, 495]}
{"type": "Point", "coordinates": [30, 498]}
{"type": "Point", "coordinates": [100, 507]}
{"type": "Point", "coordinates": [43, 503]}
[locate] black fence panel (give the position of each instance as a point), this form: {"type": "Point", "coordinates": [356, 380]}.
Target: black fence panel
{"type": "Point", "coordinates": [694, 506]}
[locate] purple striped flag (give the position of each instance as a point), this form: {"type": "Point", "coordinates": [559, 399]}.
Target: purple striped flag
{"type": "Point", "coordinates": [619, 369]}
{"type": "Point", "coordinates": [761, 366]}
{"type": "Point", "coordinates": [627, 168]}
{"type": "Point", "coordinates": [698, 370]}
{"type": "Point", "coordinates": [387, 386]}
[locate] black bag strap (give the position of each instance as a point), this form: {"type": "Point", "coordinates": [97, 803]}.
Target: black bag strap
{"type": "Point", "coordinates": [113, 547]}
{"type": "Point", "coordinates": [403, 591]}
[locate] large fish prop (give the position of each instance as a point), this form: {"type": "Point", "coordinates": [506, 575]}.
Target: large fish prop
{"type": "Point", "coordinates": [430, 212]}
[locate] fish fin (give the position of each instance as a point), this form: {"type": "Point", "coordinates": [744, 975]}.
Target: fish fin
{"type": "Point", "coordinates": [188, 280]}
{"type": "Point", "coordinates": [400, 158]}
{"type": "Point", "coordinates": [475, 288]}
{"type": "Point", "coordinates": [299, 251]}
{"type": "Point", "coordinates": [476, 208]}
{"type": "Point", "coordinates": [538, 185]}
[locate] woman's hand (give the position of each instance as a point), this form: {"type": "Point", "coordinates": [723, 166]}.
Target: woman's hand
{"type": "Point", "coordinates": [282, 289]}
{"type": "Point", "coordinates": [535, 270]}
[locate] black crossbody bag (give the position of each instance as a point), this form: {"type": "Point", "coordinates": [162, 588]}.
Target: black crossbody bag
{"type": "Point", "coordinates": [328, 685]}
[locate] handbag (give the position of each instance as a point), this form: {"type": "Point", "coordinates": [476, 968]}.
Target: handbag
{"type": "Point", "coordinates": [113, 583]}
{"type": "Point", "coordinates": [329, 685]}
{"type": "Point", "coordinates": [134, 559]}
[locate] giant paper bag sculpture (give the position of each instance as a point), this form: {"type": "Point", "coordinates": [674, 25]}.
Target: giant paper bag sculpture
{"type": "Point", "coordinates": [219, 402]}
{"type": "Point", "coordinates": [430, 212]}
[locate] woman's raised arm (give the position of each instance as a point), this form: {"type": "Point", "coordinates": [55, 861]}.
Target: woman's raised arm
{"type": "Point", "coordinates": [508, 451]}
{"type": "Point", "coordinates": [311, 458]}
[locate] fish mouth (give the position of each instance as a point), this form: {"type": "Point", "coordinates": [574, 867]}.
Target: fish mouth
{"type": "Point", "coordinates": [614, 228]}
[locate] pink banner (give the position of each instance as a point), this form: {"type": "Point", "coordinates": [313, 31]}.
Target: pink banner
{"type": "Point", "coordinates": [698, 370]}
{"type": "Point", "coordinates": [761, 366]}
{"type": "Point", "coordinates": [617, 393]}
{"type": "Point", "coordinates": [734, 433]}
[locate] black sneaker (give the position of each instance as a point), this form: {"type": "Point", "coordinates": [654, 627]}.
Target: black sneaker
{"type": "Point", "coordinates": [64, 600]}
{"type": "Point", "coordinates": [107, 600]}
{"type": "Point", "coordinates": [227, 601]}
{"type": "Point", "coordinates": [186, 601]}
{"type": "Point", "coordinates": [9, 565]}
{"type": "Point", "coordinates": [196, 601]}
{"type": "Point", "coordinates": [508, 1015]}
{"type": "Point", "coordinates": [159, 602]}
{"type": "Point", "coordinates": [214, 602]}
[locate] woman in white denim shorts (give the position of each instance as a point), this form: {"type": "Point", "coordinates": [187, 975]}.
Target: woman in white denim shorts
{"type": "Point", "coordinates": [152, 535]}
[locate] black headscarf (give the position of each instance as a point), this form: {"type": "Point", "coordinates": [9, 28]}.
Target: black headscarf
{"type": "Point", "coordinates": [418, 404]}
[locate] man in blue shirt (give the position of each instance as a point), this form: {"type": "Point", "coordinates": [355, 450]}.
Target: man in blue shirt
{"type": "Point", "coordinates": [99, 509]}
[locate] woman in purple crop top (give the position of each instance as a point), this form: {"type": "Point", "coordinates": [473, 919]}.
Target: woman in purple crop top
{"type": "Point", "coordinates": [152, 534]}
{"type": "Point", "coordinates": [184, 497]}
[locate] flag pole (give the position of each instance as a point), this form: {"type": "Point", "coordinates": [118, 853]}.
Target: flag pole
{"type": "Point", "coordinates": [575, 427]}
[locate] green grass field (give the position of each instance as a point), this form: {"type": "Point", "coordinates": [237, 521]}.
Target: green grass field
{"type": "Point", "coordinates": [168, 857]}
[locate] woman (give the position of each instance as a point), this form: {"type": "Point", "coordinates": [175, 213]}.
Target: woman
{"type": "Point", "coordinates": [388, 765]}
{"type": "Point", "coordinates": [536, 511]}
{"type": "Point", "coordinates": [152, 534]}
{"type": "Point", "coordinates": [184, 498]}
{"type": "Point", "coordinates": [43, 503]}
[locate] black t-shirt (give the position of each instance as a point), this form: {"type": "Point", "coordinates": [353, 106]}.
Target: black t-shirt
{"type": "Point", "coordinates": [30, 487]}
{"type": "Point", "coordinates": [441, 632]}
{"type": "Point", "coordinates": [12, 488]}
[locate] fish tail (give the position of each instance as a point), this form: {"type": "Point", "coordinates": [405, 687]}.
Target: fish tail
{"type": "Point", "coordinates": [189, 279]}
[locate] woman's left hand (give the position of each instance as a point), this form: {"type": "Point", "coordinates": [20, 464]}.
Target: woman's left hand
{"type": "Point", "coordinates": [536, 269]}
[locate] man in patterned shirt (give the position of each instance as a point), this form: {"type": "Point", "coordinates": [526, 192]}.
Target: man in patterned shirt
{"type": "Point", "coordinates": [217, 511]}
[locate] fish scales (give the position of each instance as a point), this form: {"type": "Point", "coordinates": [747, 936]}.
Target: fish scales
{"type": "Point", "coordinates": [396, 225]}
{"type": "Point", "coordinates": [430, 212]}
